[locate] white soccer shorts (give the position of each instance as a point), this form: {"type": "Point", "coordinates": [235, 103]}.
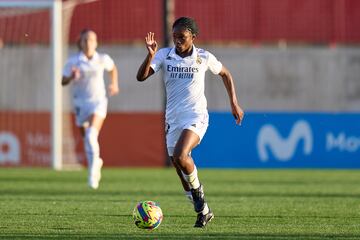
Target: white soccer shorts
{"type": "Point", "coordinates": [196, 122]}
{"type": "Point", "coordinates": [84, 110]}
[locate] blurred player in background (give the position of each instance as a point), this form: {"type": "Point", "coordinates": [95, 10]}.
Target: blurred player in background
{"type": "Point", "coordinates": [184, 68]}
{"type": "Point", "coordinates": [86, 70]}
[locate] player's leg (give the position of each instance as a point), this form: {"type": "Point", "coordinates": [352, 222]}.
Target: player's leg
{"type": "Point", "coordinates": [172, 135]}
{"type": "Point", "coordinates": [91, 135]}
{"type": "Point", "coordinates": [184, 183]}
{"type": "Point", "coordinates": [92, 149]}
{"type": "Point", "coordinates": [182, 157]}
{"type": "Point", "coordinates": [93, 116]}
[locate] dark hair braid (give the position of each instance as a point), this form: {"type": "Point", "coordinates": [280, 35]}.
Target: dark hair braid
{"type": "Point", "coordinates": [187, 23]}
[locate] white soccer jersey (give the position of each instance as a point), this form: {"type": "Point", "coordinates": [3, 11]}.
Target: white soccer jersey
{"type": "Point", "coordinates": [185, 80]}
{"type": "Point", "coordinates": [90, 86]}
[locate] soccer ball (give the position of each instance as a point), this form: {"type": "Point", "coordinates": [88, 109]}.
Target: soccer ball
{"type": "Point", "coordinates": [147, 215]}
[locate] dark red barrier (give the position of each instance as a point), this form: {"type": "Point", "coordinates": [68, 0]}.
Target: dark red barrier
{"type": "Point", "coordinates": [133, 139]}
{"type": "Point", "coordinates": [254, 21]}
{"type": "Point", "coordinates": [127, 139]}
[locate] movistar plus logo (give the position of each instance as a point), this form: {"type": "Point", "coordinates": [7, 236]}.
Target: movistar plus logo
{"type": "Point", "coordinates": [283, 148]}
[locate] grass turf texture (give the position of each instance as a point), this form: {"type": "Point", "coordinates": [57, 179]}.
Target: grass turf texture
{"type": "Point", "coordinates": [248, 204]}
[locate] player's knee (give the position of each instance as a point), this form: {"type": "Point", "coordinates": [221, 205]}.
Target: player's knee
{"type": "Point", "coordinates": [91, 134]}
{"type": "Point", "coordinates": [181, 157]}
{"type": "Point", "coordinates": [91, 139]}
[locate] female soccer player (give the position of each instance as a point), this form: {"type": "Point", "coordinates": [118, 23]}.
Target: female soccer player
{"type": "Point", "coordinates": [86, 70]}
{"type": "Point", "coordinates": [186, 107]}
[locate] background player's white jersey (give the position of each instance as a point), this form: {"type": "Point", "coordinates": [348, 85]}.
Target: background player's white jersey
{"type": "Point", "coordinates": [185, 80]}
{"type": "Point", "coordinates": [90, 86]}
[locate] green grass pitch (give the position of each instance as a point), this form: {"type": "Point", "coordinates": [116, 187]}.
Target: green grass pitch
{"type": "Point", "coordinates": [248, 204]}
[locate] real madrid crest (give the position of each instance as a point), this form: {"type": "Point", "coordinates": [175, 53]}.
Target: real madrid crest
{"type": "Point", "coordinates": [198, 59]}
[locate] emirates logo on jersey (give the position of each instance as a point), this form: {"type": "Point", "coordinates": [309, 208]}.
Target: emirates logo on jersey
{"type": "Point", "coordinates": [181, 72]}
{"type": "Point", "coordinates": [176, 69]}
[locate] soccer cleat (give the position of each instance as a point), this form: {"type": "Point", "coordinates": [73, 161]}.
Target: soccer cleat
{"type": "Point", "coordinates": [95, 173]}
{"type": "Point", "coordinates": [198, 198]}
{"type": "Point", "coordinates": [203, 219]}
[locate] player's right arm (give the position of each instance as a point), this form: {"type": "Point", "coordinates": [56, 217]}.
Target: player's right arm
{"type": "Point", "coordinates": [75, 74]}
{"type": "Point", "coordinates": [145, 70]}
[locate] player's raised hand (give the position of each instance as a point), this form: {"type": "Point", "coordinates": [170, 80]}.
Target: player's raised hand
{"type": "Point", "coordinates": [151, 44]}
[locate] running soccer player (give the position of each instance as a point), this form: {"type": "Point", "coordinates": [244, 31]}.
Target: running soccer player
{"type": "Point", "coordinates": [186, 115]}
{"type": "Point", "coordinates": [86, 70]}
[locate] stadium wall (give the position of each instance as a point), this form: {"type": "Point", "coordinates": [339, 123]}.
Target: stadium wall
{"type": "Point", "coordinates": [309, 21]}
{"type": "Point", "coordinates": [240, 21]}
{"type": "Point", "coordinates": [127, 139]}
{"type": "Point", "coordinates": [281, 140]}
{"type": "Point", "coordinates": [268, 80]}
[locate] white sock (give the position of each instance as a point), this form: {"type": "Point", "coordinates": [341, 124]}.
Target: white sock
{"type": "Point", "coordinates": [206, 209]}
{"type": "Point", "coordinates": [91, 143]}
{"type": "Point", "coordinates": [192, 179]}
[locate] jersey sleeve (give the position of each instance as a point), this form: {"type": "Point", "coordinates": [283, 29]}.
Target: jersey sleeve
{"type": "Point", "coordinates": [108, 62]}
{"type": "Point", "coordinates": [67, 68]}
{"type": "Point", "coordinates": [157, 61]}
{"type": "Point", "coordinates": [214, 65]}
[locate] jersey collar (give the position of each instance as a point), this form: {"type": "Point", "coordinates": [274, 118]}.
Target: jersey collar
{"type": "Point", "coordinates": [173, 54]}
{"type": "Point", "coordinates": [84, 58]}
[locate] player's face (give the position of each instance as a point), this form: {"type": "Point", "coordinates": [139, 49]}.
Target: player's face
{"type": "Point", "coordinates": [89, 42]}
{"type": "Point", "coordinates": [183, 39]}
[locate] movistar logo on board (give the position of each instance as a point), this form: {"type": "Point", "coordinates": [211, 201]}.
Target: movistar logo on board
{"type": "Point", "coordinates": [342, 142]}
{"type": "Point", "coordinates": [284, 148]}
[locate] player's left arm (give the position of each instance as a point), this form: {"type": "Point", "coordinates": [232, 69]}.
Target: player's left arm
{"type": "Point", "coordinates": [114, 82]}
{"type": "Point", "coordinates": [236, 110]}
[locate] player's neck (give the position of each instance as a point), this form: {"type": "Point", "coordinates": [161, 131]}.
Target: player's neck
{"type": "Point", "coordinates": [185, 53]}
{"type": "Point", "coordinates": [89, 54]}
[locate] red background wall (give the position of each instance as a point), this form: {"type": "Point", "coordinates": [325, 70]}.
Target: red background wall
{"type": "Point", "coordinates": [127, 139]}
{"type": "Point", "coordinates": [305, 21]}
{"type": "Point", "coordinates": [314, 21]}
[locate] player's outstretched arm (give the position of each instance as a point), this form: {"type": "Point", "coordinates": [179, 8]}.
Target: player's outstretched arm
{"type": "Point", "coordinates": [145, 70]}
{"type": "Point", "coordinates": [236, 110]}
{"type": "Point", "coordinates": [114, 82]}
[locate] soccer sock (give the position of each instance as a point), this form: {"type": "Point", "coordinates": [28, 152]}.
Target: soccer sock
{"type": "Point", "coordinates": [206, 209]}
{"type": "Point", "coordinates": [189, 196]}
{"type": "Point", "coordinates": [192, 179]}
{"type": "Point", "coordinates": [91, 143]}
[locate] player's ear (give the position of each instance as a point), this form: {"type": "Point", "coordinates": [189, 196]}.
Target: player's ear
{"type": "Point", "coordinates": [193, 36]}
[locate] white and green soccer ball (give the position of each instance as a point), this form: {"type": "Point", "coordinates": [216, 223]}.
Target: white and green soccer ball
{"type": "Point", "coordinates": [147, 215]}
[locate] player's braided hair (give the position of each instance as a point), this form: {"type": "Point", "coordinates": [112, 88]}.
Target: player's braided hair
{"type": "Point", "coordinates": [187, 23]}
